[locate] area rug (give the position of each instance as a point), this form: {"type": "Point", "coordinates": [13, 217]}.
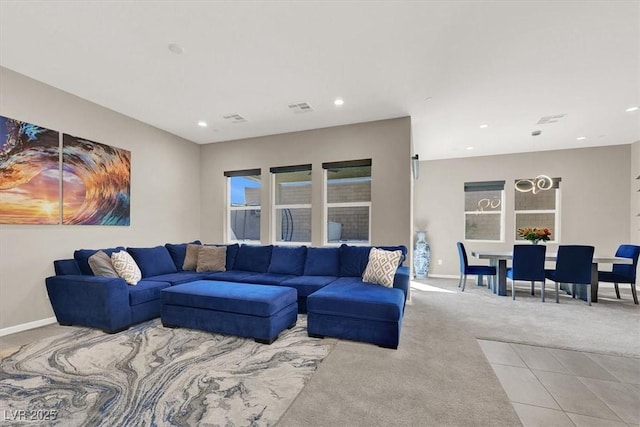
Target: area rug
{"type": "Point", "coordinates": [151, 375]}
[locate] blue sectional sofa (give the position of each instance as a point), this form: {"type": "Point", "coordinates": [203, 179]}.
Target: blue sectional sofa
{"type": "Point", "coordinates": [78, 297]}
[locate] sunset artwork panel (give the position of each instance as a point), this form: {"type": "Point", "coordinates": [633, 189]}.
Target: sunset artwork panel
{"type": "Point", "coordinates": [29, 173]}
{"type": "Point", "coordinates": [95, 183]}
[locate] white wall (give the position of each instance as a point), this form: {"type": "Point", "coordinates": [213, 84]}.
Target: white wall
{"type": "Point", "coordinates": [634, 227]}
{"type": "Point", "coordinates": [595, 198]}
{"type": "Point", "coordinates": [165, 191]}
{"type": "Point", "coordinates": [386, 142]}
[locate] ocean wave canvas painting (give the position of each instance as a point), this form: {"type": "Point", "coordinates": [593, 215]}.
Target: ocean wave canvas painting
{"type": "Point", "coordinates": [29, 173]}
{"type": "Point", "coordinates": [96, 182]}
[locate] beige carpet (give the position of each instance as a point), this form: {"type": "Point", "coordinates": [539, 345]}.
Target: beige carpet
{"type": "Point", "coordinates": [439, 376]}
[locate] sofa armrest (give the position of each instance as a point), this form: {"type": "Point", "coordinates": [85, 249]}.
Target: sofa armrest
{"type": "Point", "coordinates": [64, 267]}
{"type": "Point", "coordinates": [95, 301]}
{"type": "Point", "coordinates": [401, 280]}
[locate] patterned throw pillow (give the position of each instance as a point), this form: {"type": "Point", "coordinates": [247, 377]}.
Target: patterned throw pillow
{"type": "Point", "coordinates": [211, 258]}
{"type": "Point", "coordinates": [100, 264]}
{"type": "Point", "coordinates": [126, 267]}
{"type": "Point", "coordinates": [382, 267]}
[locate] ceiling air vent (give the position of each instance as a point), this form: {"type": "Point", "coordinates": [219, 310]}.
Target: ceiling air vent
{"type": "Point", "coordinates": [302, 107]}
{"type": "Point", "coordinates": [550, 119]}
{"type": "Point", "coordinates": [235, 118]}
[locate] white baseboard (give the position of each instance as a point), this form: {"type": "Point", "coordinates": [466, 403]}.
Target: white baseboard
{"type": "Point", "coordinates": [27, 326]}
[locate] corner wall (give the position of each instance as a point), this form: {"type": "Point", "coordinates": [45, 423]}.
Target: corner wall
{"type": "Point", "coordinates": [595, 202]}
{"type": "Point", "coordinates": [386, 142]}
{"type": "Point", "coordinates": [165, 185]}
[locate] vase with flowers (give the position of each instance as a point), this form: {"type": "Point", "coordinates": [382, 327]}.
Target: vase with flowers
{"type": "Point", "coordinates": [535, 235]}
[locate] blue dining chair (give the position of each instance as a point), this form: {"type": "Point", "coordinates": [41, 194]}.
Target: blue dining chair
{"type": "Point", "coordinates": [528, 265]}
{"type": "Point", "coordinates": [623, 273]}
{"type": "Point", "coordinates": [474, 270]}
{"type": "Point", "coordinates": [573, 266]}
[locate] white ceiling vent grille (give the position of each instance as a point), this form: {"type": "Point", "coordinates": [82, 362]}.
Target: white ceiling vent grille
{"type": "Point", "coordinates": [302, 107]}
{"type": "Point", "coordinates": [550, 119]}
{"type": "Point", "coordinates": [235, 118]}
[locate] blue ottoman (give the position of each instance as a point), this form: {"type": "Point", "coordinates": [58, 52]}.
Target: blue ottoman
{"type": "Point", "coordinates": [247, 310]}
{"type": "Point", "coordinates": [354, 310]}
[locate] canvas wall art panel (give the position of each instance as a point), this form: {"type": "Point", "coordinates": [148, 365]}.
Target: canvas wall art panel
{"type": "Point", "coordinates": [29, 173]}
{"type": "Point", "coordinates": [95, 183]}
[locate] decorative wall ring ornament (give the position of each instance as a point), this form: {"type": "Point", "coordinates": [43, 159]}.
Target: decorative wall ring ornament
{"type": "Point", "coordinates": [539, 183]}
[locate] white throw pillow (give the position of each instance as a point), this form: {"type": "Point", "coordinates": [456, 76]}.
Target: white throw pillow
{"type": "Point", "coordinates": [126, 267]}
{"type": "Point", "coordinates": [382, 267]}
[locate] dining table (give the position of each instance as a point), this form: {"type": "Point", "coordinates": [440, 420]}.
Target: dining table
{"type": "Point", "coordinates": [499, 260]}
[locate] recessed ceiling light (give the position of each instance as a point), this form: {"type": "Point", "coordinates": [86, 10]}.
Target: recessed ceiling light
{"type": "Point", "coordinates": [630, 109]}
{"type": "Point", "coordinates": [469, 148]}
{"type": "Point", "coordinates": [176, 48]}
{"type": "Point", "coordinates": [581, 138]}
{"type": "Point", "coordinates": [202, 124]}
{"type": "Point", "coordinates": [338, 101]}
{"type": "Point", "coordinates": [484, 126]}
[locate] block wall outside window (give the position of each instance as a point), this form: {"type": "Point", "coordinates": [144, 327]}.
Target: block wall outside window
{"type": "Point", "coordinates": [484, 211]}
{"type": "Point", "coordinates": [348, 201]}
{"type": "Point", "coordinates": [292, 204]}
{"type": "Point", "coordinates": [539, 208]}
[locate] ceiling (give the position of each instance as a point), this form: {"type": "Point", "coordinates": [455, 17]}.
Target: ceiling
{"type": "Point", "coordinates": [451, 66]}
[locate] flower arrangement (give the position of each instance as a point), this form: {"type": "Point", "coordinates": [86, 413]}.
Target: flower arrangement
{"type": "Point", "coordinates": [534, 235]}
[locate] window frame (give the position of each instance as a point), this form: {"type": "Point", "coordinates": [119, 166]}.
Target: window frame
{"type": "Point", "coordinates": [556, 220]}
{"type": "Point", "coordinates": [327, 205]}
{"type": "Point", "coordinates": [501, 212]}
{"type": "Point", "coordinates": [228, 232]}
{"type": "Point", "coordinates": [276, 206]}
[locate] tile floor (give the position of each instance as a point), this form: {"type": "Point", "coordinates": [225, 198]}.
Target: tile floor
{"type": "Point", "coordinates": [554, 387]}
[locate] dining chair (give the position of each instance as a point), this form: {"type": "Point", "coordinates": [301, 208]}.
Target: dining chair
{"type": "Point", "coordinates": [527, 265]}
{"type": "Point", "coordinates": [474, 270]}
{"type": "Point", "coordinates": [623, 273]}
{"type": "Point", "coordinates": [573, 266]}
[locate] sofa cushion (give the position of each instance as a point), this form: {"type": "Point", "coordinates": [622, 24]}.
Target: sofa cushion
{"type": "Point", "coordinates": [211, 258]}
{"type": "Point", "coordinates": [382, 267]}
{"type": "Point", "coordinates": [288, 260]}
{"type": "Point", "coordinates": [82, 257]}
{"type": "Point", "coordinates": [267, 278]}
{"type": "Point", "coordinates": [353, 260]}
{"type": "Point", "coordinates": [153, 261]}
{"type": "Point", "coordinates": [350, 297]}
{"type": "Point", "coordinates": [322, 262]}
{"type": "Point", "coordinates": [253, 258]}
{"type": "Point", "coordinates": [307, 285]}
{"type": "Point", "coordinates": [230, 275]}
{"type": "Point", "coordinates": [126, 267]}
{"type": "Point", "coordinates": [100, 264]}
{"type": "Point", "coordinates": [191, 257]}
{"type": "Point", "coordinates": [178, 252]}
{"type": "Point", "coordinates": [232, 253]}
{"type": "Point", "coordinates": [145, 291]}
{"type": "Point", "coordinates": [179, 277]}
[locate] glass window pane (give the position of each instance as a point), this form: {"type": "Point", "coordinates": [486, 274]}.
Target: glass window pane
{"type": "Point", "coordinates": [245, 224]}
{"type": "Point", "coordinates": [349, 185]}
{"type": "Point", "coordinates": [245, 190]}
{"type": "Point", "coordinates": [483, 201]}
{"type": "Point", "coordinates": [542, 200]}
{"type": "Point", "coordinates": [537, 220]}
{"type": "Point", "coordinates": [482, 226]}
{"type": "Point", "coordinates": [293, 188]}
{"type": "Point", "coordinates": [293, 225]}
{"type": "Point", "coordinates": [348, 224]}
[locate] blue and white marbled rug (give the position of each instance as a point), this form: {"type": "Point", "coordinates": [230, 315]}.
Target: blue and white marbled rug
{"type": "Point", "coordinates": [150, 375]}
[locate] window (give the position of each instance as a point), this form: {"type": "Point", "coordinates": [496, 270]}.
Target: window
{"type": "Point", "coordinates": [537, 204]}
{"type": "Point", "coordinates": [348, 201]}
{"type": "Point", "coordinates": [292, 204]}
{"type": "Point", "coordinates": [484, 211]}
{"type": "Point", "coordinates": [243, 207]}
